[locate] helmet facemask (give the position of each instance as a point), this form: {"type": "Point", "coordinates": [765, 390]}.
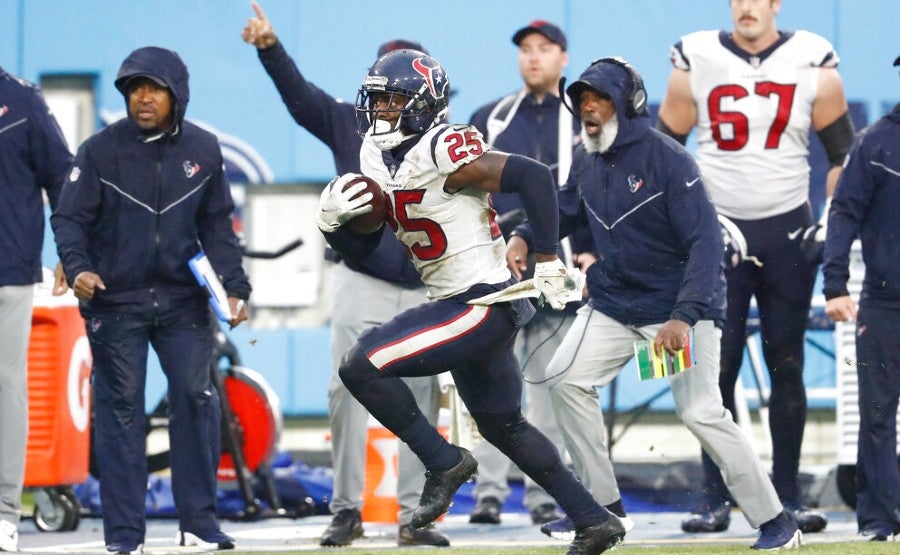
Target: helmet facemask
{"type": "Point", "coordinates": [405, 74]}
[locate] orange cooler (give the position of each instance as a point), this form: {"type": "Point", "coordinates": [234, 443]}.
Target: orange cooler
{"type": "Point", "coordinates": [59, 409]}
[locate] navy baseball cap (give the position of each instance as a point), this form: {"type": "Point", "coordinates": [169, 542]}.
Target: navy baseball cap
{"type": "Point", "coordinates": [399, 44]}
{"type": "Point", "coordinates": [549, 30]}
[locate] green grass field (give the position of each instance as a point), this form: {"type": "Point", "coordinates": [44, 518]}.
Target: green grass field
{"type": "Point", "coordinates": [846, 548]}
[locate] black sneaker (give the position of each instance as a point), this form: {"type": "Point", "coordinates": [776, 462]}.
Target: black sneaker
{"type": "Point", "coordinates": [709, 516]}
{"type": "Point", "coordinates": [407, 535]}
{"type": "Point", "coordinates": [597, 538]}
{"type": "Point", "coordinates": [486, 511]}
{"type": "Point", "coordinates": [345, 527]}
{"type": "Point", "coordinates": [779, 533]}
{"type": "Point", "coordinates": [544, 513]}
{"type": "Point", "coordinates": [878, 532]}
{"type": "Point", "coordinates": [808, 520]}
{"type": "Point", "coordinates": [437, 495]}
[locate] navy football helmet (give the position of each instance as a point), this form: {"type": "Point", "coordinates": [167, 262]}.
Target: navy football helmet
{"type": "Point", "coordinates": [424, 89]}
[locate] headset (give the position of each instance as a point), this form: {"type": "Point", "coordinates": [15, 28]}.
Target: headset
{"type": "Point", "coordinates": [635, 98]}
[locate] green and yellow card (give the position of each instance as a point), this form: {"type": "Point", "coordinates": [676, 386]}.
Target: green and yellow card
{"type": "Point", "coordinates": [651, 365]}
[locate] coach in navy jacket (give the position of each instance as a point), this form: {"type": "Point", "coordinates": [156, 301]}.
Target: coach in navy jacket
{"type": "Point", "coordinates": [659, 247]}
{"type": "Point", "coordinates": [659, 279]}
{"type": "Point", "coordinates": [146, 194]}
{"type": "Point", "coordinates": [866, 204]}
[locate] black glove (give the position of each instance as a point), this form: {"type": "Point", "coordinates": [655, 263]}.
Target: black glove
{"type": "Point", "coordinates": [812, 244]}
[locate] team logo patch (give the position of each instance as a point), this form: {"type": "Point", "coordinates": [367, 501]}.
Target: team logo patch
{"type": "Point", "coordinates": [432, 80]}
{"type": "Point", "coordinates": [3, 110]}
{"type": "Point", "coordinates": [96, 324]}
{"type": "Point", "coordinates": [75, 174]}
{"type": "Point", "coordinates": [190, 168]}
{"type": "Point", "coordinates": [634, 183]}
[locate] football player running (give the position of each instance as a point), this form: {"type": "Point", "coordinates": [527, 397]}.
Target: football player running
{"type": "Point", "coordinates": [438, 179]}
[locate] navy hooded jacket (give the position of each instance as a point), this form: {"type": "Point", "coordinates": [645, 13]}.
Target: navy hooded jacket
{"type": "Point", "coordinates": [33, 157]}
{"type": "Point", "coordinates": [137, 205]}
{"type": "Point", "coordinates": [655, 230]}
{"type": "Point", "coordinates": [866, 203]}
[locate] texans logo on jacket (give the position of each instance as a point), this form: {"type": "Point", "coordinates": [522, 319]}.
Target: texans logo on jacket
{"type": "Point", "coordinates": [190, 168]}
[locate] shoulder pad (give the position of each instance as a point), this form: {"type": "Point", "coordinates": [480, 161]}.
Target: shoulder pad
{"type": "Point", "coordinates": [816, 49]}
{"type": "Point", "coordinates": [456, 145]}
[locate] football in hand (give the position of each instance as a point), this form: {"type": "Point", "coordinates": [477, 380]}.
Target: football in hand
{"type": "Point", "coordinates": [365, 224]}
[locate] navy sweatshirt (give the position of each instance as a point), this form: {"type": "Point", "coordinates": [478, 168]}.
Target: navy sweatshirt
{"type": "Point", "coordinates": [866, 204]}
{"type": "Point", "coordinates": [33, 158]}
{"type": "Point", "coordinates": [137, 206]}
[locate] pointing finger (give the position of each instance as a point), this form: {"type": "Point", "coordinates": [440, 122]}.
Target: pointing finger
{"type": "Point", "coordinates": [259, 11]}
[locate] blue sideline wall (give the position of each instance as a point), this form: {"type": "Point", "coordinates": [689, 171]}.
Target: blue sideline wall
{"type": "Point", "coordinates": [334, 42]}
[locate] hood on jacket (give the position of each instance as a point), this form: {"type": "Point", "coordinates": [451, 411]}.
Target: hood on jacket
{"type": "Point", "coordinates": [626, 89]}
{"type": "Point", "coordinates": [162, 66]}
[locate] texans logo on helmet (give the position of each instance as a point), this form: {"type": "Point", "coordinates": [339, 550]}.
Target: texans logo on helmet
{"type": "Point", "coordinates": [430, 79]}
{"type": "Point", "coordinates": [3, 110]}
{"type": "Point", "coordinates": [190, 168]}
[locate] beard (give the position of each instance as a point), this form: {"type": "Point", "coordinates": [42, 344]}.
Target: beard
{"type": "Point", "coordinates": [602, 142]}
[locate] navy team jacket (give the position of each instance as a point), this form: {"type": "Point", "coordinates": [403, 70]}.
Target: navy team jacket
{"type": "Point", "coordinates": [866, 203]}
{"type": "Point", "coordinates": [135, 209]}
{"type": "Point", "coordinates": [655, 230]}
{"type": "Point", "coordinates": [33, 157]}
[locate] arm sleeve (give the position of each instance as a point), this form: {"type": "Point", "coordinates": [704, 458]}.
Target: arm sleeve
{"type": "Point", "coordinates": [849, 206]}
{"type": "Point", "coordinates": [379, 255]}
{"type": "Point", "coordinates": [76, 212]}
{"type": "Point", "coordinates": [534, 184]}
{"type": "Point", "coordinates": [217, 234]}
{"type": "Point", "coordinates": [52, 159]}
{"type": "Point", "coordinates": [331, 121]}
{"type": "Point", "coordinates": [697, 227]}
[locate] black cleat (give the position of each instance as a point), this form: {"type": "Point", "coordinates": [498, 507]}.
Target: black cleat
{"type": "Point", "coordinates": [407, 535]}
{"type": "Point", "coordinates": [437, 495]}
{"type": "Point", "coordinates": [486, 511]}
{"type": "Point", "coordinates": [345, 527]}
{"type": "Point", "coordinates": [544, 513]}
{"type": "Point", "coordinates": [808, 520]}
{"type": "Point", "coordinates": [708, 517]}
{"type": "Point", "coordinates": [597, 538]}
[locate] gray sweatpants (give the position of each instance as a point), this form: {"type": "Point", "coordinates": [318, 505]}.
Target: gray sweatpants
{"type": "Point", "coordinates": [359, 303]}
{"type": "Point", "coordinates": [15, 329]}
{"type": "Point", "coordinates": [592, 354]}
{"type": "Point", "coordinates": [535, 346]}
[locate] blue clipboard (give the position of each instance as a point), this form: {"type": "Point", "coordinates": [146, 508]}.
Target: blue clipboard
{"type": "Point", "coordinates": [209, 281]}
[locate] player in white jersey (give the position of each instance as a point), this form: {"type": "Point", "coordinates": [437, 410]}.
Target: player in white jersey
{"type": "Point", "coordinates": [453, 237]}
{"type": "Point", "coordinates": [438, 179]}
{"type": "Point", "coordinates": [753, 94]}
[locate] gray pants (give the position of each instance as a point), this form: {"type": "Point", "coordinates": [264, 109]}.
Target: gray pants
{"type": "Point", "coordinates": [15, 329]}
{"type": "Point", "coordinates": [361, 302]}
{"type": "Point", "coordinates": [592, 354]}
{"type": "Point", "coordinates": [535, 346]}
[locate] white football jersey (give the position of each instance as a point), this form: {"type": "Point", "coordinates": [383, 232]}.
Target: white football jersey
{"type": "Point", "coordinates": [453, 239]}
{"type": "Point", "coordinates": [753, 118]}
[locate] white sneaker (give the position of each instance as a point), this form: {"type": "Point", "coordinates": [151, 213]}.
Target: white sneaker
{"type": "Point", "coordinates": [627, 522]}
{"type": "Point", "coordinates": [219, 541]}
{"type": "Point", "coordinates": [9, 536]}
